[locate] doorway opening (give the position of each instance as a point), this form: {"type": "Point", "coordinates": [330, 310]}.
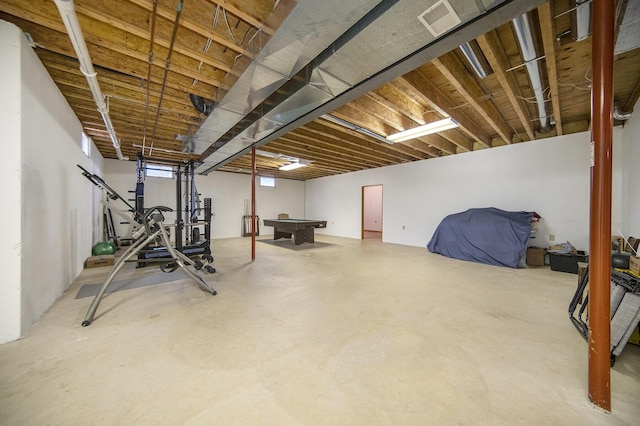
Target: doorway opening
{"type": "Point", "coordinates": [372, 212]}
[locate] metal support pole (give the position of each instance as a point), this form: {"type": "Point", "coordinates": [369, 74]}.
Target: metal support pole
{"type": "Point", "coordinates": [600, 226]}
{"type": "Point", "coordinates": [253, 203]}
{"type": "Point", "coordinates": [179, 220]}
{"type": "Point", "coordinates": [186, 197]}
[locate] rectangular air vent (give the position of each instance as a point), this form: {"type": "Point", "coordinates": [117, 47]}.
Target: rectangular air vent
{"type": "Point", "coordinates": [439, 18]}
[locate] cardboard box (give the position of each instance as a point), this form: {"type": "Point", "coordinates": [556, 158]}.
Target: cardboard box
{"type": "Point", "coordinates": [96, 261]}
{"type": "Point", "coordinates": [634, 264]}
{"type": "Point", "coordinates": [635, 336]}
{"type": "Point", "coordinates": [535, 256]}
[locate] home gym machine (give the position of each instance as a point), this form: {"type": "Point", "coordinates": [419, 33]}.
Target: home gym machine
{"type": "Point", "coordinates": [149, 233]}
{"type": "Point", "coordinates": [193, 237]}
{"type": "Point", "coordinates": [153, 230]}
{"type": "Point", "coordinates": [108, 198]}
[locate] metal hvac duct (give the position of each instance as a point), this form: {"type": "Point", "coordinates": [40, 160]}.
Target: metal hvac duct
{"type": "Point", "coordinates": [306, 70]}
{"type": "Point", "coordinates": [528, 49]}
{"type": "Point", "coordinates": [70, 19]}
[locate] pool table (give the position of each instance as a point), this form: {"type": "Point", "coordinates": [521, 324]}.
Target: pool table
{"type": "Point", "coordinates": [302, 229]}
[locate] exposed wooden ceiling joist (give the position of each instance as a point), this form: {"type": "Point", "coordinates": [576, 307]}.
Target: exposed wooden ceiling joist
{"type": "Point", "coordinates": [209, 56]}
{"type": "Point", "coordinates": [490, 45]}
{"type": "Point", "coordinates": [549, 43]}
{"type": "Point", "coordinates": [473, 93]}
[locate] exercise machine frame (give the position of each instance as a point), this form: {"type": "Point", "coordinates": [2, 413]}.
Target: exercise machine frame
{"type": "Point", "coordinates": [189, 244]}
{"type": "Point", "coordinates": [153, 229]}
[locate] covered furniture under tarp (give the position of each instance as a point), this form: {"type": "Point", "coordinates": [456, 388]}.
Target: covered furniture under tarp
{"type": "Point", "coordinates": [484, 235]}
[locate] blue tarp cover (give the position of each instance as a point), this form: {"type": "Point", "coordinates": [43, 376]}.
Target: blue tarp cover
{"type": "Point", "coordinates": [484, 235]}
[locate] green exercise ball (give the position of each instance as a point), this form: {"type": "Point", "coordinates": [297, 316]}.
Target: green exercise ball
{"type": "Point", "coordinates": [105, 247]}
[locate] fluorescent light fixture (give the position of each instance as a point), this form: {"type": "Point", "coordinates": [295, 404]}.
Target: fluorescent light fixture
{"type": "Point", "coordinates": [350, 125]}
{"type": "Point", "coordinates": [292, 166]}
{"type": "Point", "coordinates": [427, 129]}
{"type": "Point", "coordinates": [475, 63]}
{"type": "Point", "coordinates": [295, 163]}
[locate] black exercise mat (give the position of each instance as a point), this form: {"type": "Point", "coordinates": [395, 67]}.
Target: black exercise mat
{"type": "Point", "coordinates": [90, 290]}
{"type": "Point", "coordinates": [289, 244]}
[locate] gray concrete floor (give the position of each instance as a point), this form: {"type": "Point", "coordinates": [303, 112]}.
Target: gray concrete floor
{"type": "Point", "coordinates": [344, 332]}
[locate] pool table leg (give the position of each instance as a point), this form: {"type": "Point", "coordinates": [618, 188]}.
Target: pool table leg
{"type": "Point", "coordinates": [305, 235]}
{"type": "Point", "coordinates": [277, 234]}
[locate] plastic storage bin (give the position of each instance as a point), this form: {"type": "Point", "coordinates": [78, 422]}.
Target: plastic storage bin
{"type": "Point", "coordinates": [567, 262]}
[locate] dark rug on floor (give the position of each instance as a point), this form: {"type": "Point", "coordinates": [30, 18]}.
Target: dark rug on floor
{"type": "Point", "coordinates": [289, 244]}
{"type": "Point", "coordinates": [90, 290]}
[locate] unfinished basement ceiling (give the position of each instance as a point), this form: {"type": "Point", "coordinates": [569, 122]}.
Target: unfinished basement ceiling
{"type": "Point", "coordinates": [326, 82]}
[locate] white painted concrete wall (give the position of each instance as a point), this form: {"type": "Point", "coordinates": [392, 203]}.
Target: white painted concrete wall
{"type": "Point", "coordinates": [50, 204]}
{"type": "Point", "coordinates": [51, 221]}
{"type": "Point", "coordinates": [10, 211]}
{"type": "Point", "coordinates": [550, 176]}
{"type": "Point", "coordinates": [226, 190]}
{"type": "Point", "coordinates": [631, 176]}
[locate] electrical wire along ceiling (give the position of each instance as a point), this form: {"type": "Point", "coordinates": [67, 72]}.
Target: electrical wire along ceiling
{"type": "Point", "coordinates": [323, 86]}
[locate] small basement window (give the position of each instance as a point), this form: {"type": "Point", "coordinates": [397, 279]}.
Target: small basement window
{"type": "Point", "coordinates": [268, 181]}
{"type": "Point", "coordinates": [159, 170]}
{"type": "Point", "coordinates": [86, 144]}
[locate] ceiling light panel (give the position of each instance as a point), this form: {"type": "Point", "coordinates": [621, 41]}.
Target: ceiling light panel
{"type": "Point", "coordinates": [427, 129]}
{"type": "Point", "coordinates": [292, 166]}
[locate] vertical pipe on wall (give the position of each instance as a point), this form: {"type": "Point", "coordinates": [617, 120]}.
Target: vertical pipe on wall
{"type": "Point", "coordinates": [67, 11]}
{"type": "Point", "coordinates": [600, 220]}
{"type": "Point", "coordinates": [253, 203]}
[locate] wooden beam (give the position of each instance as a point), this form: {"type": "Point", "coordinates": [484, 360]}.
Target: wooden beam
{"type": "Point", "coordinates": [349, 113]}
{"type": "Point", "coordinates": [378, 116]}
{"type": "Point", "coordinates": [402, 102]}
{"type": "Point", "coordinates": [632, 99]}
{"type": "Point", "coordinates": [96, 43]}
{"type": "Point", "coordinates": [133, 94]}
{"type": "Point", "coordinates": [116, 101]}
{"type": "Point", "coordinates": [143, 33]}
{"type": "Point", "coordinates": [497, 58]}
{"type": "Point", "coordinates": [67, 73]}
{"type": "Point", "coordinates": [396, 99]}
{"type": "Point", "coordinates": [430, 93]}
{"type": "Point", "coordinates": [353, 142]}
{"type": "Point", "coordinates": [551, 59]}
{"type": "Point", "coordinates": [368, 105]}
{"type": "Point", "coordinates": [471, 91]}
{"type": "Point", "coordinates": [192, 25]}
{"type": "Point", "coordinates": [54, 61]}
{"type": "Point", "coordinates": [458, 139]}
{"type": "Point", "coordinates": [327, 154]}
{"type": "Point", "coordinates": [48, 18]}
{"type": "Point", "coordinates": [244, 16]}
{"type": "Point", "coordinates": [127, 65]}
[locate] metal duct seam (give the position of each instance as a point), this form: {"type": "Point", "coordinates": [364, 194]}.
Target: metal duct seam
{"type": "Point", "coordinates": [281, 68]}
{"type": "Point", "coordinates": [67, 11]}
{"type": "Point", "coordinates": [359, 67]}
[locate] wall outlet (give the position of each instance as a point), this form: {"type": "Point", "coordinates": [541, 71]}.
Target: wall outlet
{"type": "Point", "coordinates": [552, 237]}
{"type": "Point", "coordinates": [403, 227]}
